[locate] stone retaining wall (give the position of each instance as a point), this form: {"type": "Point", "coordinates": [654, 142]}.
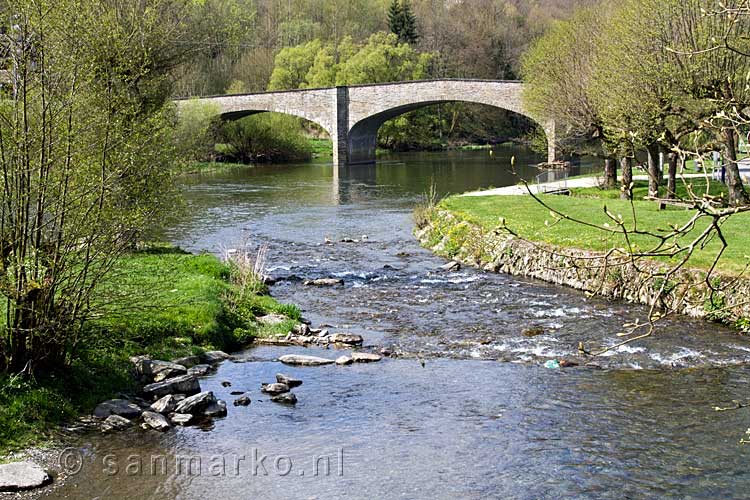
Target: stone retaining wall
{"type": "Point", "coordinates": [617, 278]}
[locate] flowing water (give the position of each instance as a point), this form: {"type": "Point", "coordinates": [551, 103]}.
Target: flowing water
{"type": "Point", "coordinates": [467, 409]}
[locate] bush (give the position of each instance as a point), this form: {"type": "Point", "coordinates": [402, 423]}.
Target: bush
{"type": "Point", "coordinates": [267, 137]}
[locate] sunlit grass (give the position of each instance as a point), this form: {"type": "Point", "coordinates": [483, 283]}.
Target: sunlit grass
{"type": "Point", "coordinates": [534, 222]}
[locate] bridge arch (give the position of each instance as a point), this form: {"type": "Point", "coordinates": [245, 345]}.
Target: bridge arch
{"type": "Point", "coordinates": [370, 106]}
{"type": "Point", "coordinates": [363, 136]}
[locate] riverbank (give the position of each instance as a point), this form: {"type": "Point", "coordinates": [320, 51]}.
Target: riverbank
{"type": "Point", "coordinates": [160, 301]}
{"type": "Point", "coordinates": [469, 230]}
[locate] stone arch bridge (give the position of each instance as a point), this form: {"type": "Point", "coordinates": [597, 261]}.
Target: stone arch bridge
{"type": "Point", "coordinates": [352, 115]}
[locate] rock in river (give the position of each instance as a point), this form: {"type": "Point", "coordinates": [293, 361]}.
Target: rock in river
{"type": "Point", "coordinates": [344, 360]}
{"type": "Point", "coordinates": [533, 331]}
{"type": "Point", "coordinates": [186, 384]}
{"type": "Point", "coordinates": [242, 401]}
{"type": "Point", "coordinates": [157, 370]}
{"type": "Point", "coordinates": [187, 361]}
{"type": "Point", "coordinates": [213, 357]}
{"type": "Point", "coordinates": [156, 421]}
{"type": "Point", "coordinates": [19, 476]}
{"type": "Point", "coordinates": [276, 388]}
{"type": "Point", "coordinates": [451, 266]}
{"type": "Point", "coordinates": [286, 398]}
{"type": "Point", "coordinates": [216, 409]}
{"type": "Point", "coordinates": [199, 370]}
{"type": "Point", "coordinates": [365, 357]}
{"type": "Point", "coordinates": [196, 404]}
{"type": "Point", "coordinates": [346, 338]}
{"type": "Point", "coordinates": [180, 418]}
{"type": "Point", "coordinates": [119, 407]}
{"type": "Point", "coordinates": [116, 423]}
{"type": "Point", "coordinates": [303, 360]}
{"type": "Point", "coordinates": [286, 379]}
{"type": "Point", "coordinates": [167, 404]}
{"type": "Point", "coordinates": [324, 282]}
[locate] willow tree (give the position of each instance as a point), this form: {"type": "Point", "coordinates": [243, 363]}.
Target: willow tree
{"type": "Point", "coordinates": [558, 71]}
{"type": "Point", "coordinates": [85, 134]}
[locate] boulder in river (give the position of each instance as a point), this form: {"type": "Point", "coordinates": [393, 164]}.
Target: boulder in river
{"type": "Point", "coordinates": [216, 409]}
{"type": "Point", "coordinates": [534, 331]}
{"type": "Point", "coordinates": [180, 418]}
{"type": "Point", "coordinates": [365, 357]}
{"type": "Point", "coordinates": [167, 404]}
{"type": "Point", "coordinates": [324, 282]}
{"type": "Point", "coordinates": [287, 398]}
{"type": "Point", "coordinates": [199, 370]}
{"type": "Point", "coordinates": [451, 266]}
{"type": "Point", "coordinates": [346, 338]}
{"type": "Point", "coordinates": [187, 361]}
{"type": "Point", "coordinates": [304, 360]}
{"type": "Point", "coordinates": [214, 357]}
{"type": "Point", "coordinates": [156, 421]}
{"type": "Point", "coordinates": [301, 329]}
{"type": "Point", "coordinates": [156, 370]}
{"type": "Point", "coordinates": [121, 407]}
{"type": "Point", "coordinates": [289, 381]}
{"type": "Point", "coordinates": [344, 360]}
{"type": "Point", "coordinates": [226, 383]}
{"type": "Point", "coordinates": [115, 423]}
{"type": "Point", "coordinates": [20, 476]}
{"type": "Point", "coordinates": [242, 401]}
{"type": "Point", "coordinates": [276, 388]}
{"type": "Point", "coordinates": [196, 404]}
{"type": "Point", "coordinates": [186, 384]}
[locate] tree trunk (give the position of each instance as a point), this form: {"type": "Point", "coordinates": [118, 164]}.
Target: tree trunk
{"type": "Point", "coordinates": [672, 176]}
{"type": "Point", "coordinates": [626, 190]}
{"type": "Point", "coordinates": [654, 170]}
{"type": "Point", "coordinates": [737, 193]}
{"type": "Point", "coordinates": [610, 173]}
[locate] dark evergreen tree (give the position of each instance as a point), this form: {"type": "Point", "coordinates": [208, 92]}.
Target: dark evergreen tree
{"type": "Point", "coordinates": [408, 32]}
{"type": "Point", "coordinates": [402, 21]}
{"type": "Point", "coordinates": [396, 18]}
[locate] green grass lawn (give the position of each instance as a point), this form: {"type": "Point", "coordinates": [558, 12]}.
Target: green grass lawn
{"type": "Point", "coordinates": [321, 147]}
{"type": "Point", "coordinates": [532, 221]}
{"type": "Point", "coordinates": [699, 186]}
{"type": "Point", "coordinates": [163, 302]}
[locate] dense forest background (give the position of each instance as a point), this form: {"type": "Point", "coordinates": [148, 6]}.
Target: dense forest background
{"type": "Point", "coordinates": [257, 45]}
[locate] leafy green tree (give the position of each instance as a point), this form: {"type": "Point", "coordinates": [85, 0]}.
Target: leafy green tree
{"type": "Point", "coordinates": [383, 59]}
{"type": "Point", "coordinates": [292, 65]}
{"type": "Point", "coordinates": [558, 71]}
{"type": "Point", "coordinates": [86, 160]}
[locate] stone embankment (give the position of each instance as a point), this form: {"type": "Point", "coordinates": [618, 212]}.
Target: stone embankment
{"type": "Point", "coordinates": [685, 292]}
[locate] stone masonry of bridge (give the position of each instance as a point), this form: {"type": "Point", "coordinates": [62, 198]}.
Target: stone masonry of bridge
{"type": "Point", "coordinates": [352, 115]}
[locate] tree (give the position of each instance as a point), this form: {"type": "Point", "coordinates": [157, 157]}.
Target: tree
{"type": "Point", "coordinates": [292, 65]}
{"type": "Point", "coordinates": [558, 70]}
{"type": "Point", "coordinates": [402, 21]}
{"type": "Point", "coordinates": [86, 159]}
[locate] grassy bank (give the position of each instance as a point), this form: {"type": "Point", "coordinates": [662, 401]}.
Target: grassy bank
{"type": "Point", "coordinates": [698, 185]}
{"type": "Point", "coordinates": [163, 302]}
{"type": "Point", "coordinates": [533, 222]}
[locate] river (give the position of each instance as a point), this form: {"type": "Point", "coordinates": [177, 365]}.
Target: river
{"type": "Point", "coordinates": [467, 410]}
